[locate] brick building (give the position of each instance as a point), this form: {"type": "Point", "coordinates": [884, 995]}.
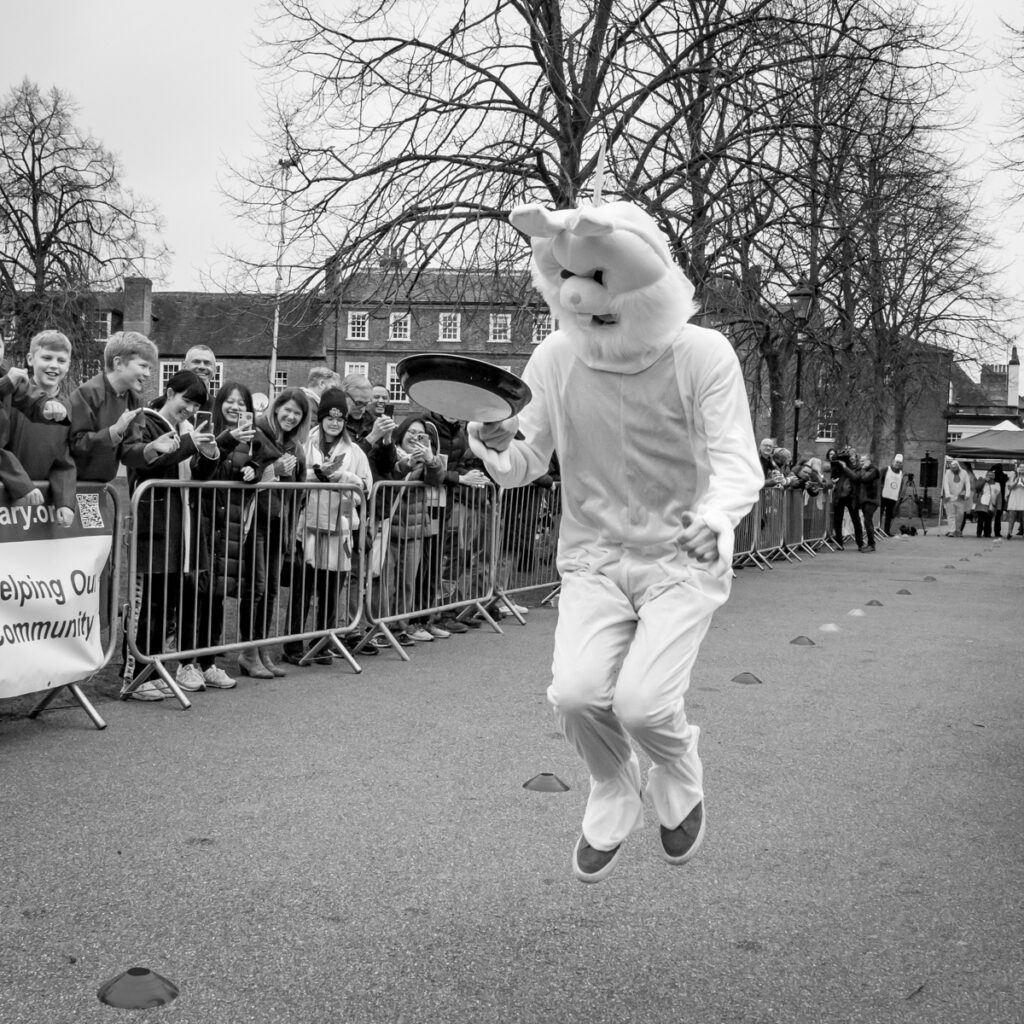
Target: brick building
{"type": "Point", "coordinates": [238, 327]}
{"type": "Point", "coordinates": [366, 324]}
{"type": "Point", "coordinates": [373, 319]}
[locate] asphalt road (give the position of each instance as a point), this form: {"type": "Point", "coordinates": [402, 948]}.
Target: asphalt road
{"type": "Point", "coordinates": [340, 848]}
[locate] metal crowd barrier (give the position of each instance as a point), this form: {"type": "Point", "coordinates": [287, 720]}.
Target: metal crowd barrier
{"type": "Point", "coordinates": [218, 567]}
{"type": "Point", "coordinates": [108, 607]}
{"type": "Point", "coordinates": [528, 522]}
{"type": "Point", "coordinates": [431, 553]}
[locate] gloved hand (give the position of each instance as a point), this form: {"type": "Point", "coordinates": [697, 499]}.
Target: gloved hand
{"type": "Point", "coordinates": [496, 436]}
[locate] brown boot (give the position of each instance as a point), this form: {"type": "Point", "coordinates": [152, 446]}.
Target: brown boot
{"type": "Point", "coordinates": [250, 664]}
{"type": "Point", "coordinates": [268, 662]}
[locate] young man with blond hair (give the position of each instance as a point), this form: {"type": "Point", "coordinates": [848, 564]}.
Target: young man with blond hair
{"type": "Point", "coordinates": [42, 448]}
{"type": "Point", "coordinates": [19, 394]}
{"type": "Point", "coordinates": [104, 407]}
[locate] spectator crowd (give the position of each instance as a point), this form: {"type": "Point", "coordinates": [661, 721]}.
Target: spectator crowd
{"type": "Point", "coordinates": [198, 547]}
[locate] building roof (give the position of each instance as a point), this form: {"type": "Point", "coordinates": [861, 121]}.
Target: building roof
{"type": "Point", "coordinates": [409, 286]}
{"type": "Point", "coordinates": [236, 324]}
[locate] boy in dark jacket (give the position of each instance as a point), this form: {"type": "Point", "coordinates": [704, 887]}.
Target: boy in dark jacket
{"type": "Point", "coordinates": [17, 392]}
{"type": "Point", "coordinates": [42, 448]}
{"type": "Point", "coordinates": [104, 407]}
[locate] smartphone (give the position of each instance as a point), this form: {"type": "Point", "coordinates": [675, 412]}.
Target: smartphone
{"type": "Point", "coordinates": [204, 422]}
{"type": "Point", "coordinates": [245, 419]}
{"type": "Point", "coordinates": [389, 409]}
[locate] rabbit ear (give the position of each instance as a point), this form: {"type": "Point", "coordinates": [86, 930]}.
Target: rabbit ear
{"type": "Point", "coordinates": [538, 222]}
{"type": "Point", "coordinates": [590, 222]}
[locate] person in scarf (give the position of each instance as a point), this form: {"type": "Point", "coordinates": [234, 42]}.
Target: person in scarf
{"type": "Point", "coordinates": [329, 520]}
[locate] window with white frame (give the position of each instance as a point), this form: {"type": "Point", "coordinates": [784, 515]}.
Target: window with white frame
{"type": "Point", "coordinates": [500, 331]}
{"type": "Point", "coordinates": [358, 326]}
{"type": "Point", "coordinates": [7, 327]}
{"type": "Point", "coordinates": [100, 326]}
{"type": "Point", "coordinates": [449, 327]}
{"type": "Point", "coordinates": [169, 368]}
{"type": "Point", "coordinates": [826, 428]}
{"type": "Point", "coordinates": [362, 369]}
{"type": "Point", "coordinates": [280, 382]}
{"type": "Point", "coordinates": [543, 325]}
{"type": "Point", "coordinates": [399, 327]}
{"type": "Point", "coordinates": [953, 435]}
{"type": "Point", "coordinates": [394, 384]}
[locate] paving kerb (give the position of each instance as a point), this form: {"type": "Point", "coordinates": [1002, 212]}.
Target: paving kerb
{"type": "Point", "coordinates": [332, 847]}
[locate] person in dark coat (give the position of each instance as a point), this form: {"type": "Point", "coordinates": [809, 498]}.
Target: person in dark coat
{"type": "Point", "coordinates": [843, 497]}
{"type": "Point", "coordinates": [867, 485]}
{"type": "Point", "coordinates": [161, 445]}
{"type": "Point", "coordinates": [279, 448]}
{"type": "Point", "coordinates": [224, 517]}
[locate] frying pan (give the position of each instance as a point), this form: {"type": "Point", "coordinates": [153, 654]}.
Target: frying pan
{"type": "Point", "coordinates": [461, 388]}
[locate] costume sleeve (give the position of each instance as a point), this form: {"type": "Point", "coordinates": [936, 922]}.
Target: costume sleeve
{"type": "Point", "coordinates": [524, 460]}
{"type": "Point", "coordinates": [87, 435]}
{"type": "Point", "coordinates": [723, 415]}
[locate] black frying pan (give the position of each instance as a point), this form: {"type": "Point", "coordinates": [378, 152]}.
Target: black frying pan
{"type": "Point", "coordinates": [461, 388]}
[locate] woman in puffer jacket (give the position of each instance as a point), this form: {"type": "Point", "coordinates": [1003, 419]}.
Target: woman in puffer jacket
{"type": "Point", "coordinates": [415, 519]}
{"type": "Point", "coordinates": [328, 521]}
{"type": "Point", "coordinates": [279, 455]}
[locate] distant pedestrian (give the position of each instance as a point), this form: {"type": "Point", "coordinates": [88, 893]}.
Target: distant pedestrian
{"type": "Point", "coordinates": [867, 498]}
{"type": "Point", "coordinates": [956, 494]}
{"type": "Point", "coordinates": [893, 485]}
{"type": "Point", "coordinates": [1015, 501]}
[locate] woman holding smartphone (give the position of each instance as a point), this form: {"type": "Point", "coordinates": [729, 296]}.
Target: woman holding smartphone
{"type": "Point", "coordinates": [278, 455]}
{"type": "Point", "coordinates": [328, 524]}
{"type": "Point", "coordinates": [162, 444]}
{"type": "Point", "coordinates": [226, 516]}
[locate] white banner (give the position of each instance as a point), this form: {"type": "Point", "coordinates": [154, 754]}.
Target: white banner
{"type": "Point", "coordinates": [50, 620]}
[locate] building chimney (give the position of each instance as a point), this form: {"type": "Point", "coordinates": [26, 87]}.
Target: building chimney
{"type": "Point", "coordinates": [1013, 380]}
{"type": "Point", "coordinates": [138, 305]}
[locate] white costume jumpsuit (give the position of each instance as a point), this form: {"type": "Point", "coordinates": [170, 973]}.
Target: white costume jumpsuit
{"type": "Point", "coordinates": [640, 441]}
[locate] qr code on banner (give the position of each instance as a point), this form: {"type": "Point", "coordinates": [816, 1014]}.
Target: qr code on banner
{"type": "Point", "coordinates": [89, 511]}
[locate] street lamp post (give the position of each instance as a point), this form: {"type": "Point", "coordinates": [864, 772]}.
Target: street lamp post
{"type": "Point", "coordinates": [285, 166]}
{"type": "Point", "coordinates": [801, 299]}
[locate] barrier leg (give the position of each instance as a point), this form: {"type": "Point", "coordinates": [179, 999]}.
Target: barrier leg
{"type": "Point", "coordinates": [83, 702]}
{"type": "Point", "coordinates": [481, 612]}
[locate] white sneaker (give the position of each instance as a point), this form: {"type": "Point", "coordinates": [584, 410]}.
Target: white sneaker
{"type": "Point", "coordinates": [188, 677]}
{"type": "Point", "coordinates": [218, 678]}
{"type": "Point", "coordinates": [147, 691]}
{"type": "Point", "coordinates": [521, 609]}
{"type": "Point", "coordinates": [419, 634]}
{"type": "Point", "coordinates": [437, 631]}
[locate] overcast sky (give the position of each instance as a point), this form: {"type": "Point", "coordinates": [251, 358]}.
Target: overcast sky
{"type": "Point", "coordinates": [171, 88]}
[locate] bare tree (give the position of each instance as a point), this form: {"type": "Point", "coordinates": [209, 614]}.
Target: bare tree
{"type": "Point", "coordinates": [68, 226]}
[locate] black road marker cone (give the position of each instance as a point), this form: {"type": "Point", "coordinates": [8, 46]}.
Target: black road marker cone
{"type": "Point", "coordinates": [138, 988]}
{"type": "Point", "coordinates": [546, 782]}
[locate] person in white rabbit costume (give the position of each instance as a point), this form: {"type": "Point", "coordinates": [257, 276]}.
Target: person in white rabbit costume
{"type": "Point", "coordinates": [650, 419]}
